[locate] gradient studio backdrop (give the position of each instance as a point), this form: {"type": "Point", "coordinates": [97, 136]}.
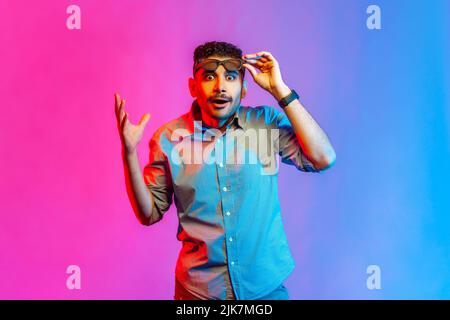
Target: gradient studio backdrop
{"type": "Point", "coordinates": [381, 95]}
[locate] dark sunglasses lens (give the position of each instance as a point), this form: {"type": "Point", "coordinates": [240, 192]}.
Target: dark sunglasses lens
{"type": "Point", "coordinates": [210, 65]}
{"type": "Point", "coordinates": [233, 65]}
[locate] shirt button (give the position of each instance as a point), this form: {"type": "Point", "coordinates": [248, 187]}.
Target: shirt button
{"type": "Point", "coordinates": [232, 263]}
{"type": "Point", "coordinates": [231, 239]}
{"type": "Point", "coordinates": [228, 213]}
{"type": "Point", "coordinates": [221, 165]}
{"type": "Point", "coordinates": [219, 141]}
{"type": "Point", "coordinates": [225, 189]}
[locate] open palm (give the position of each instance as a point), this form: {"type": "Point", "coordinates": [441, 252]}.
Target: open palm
{"type": "Point", "coordinates": [130, 134]}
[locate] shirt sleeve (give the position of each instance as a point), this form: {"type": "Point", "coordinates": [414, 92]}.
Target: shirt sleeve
{"type": "Point", "coordinates": [158, 180]}
{"type": "Point", "coordinates": [287, 144]}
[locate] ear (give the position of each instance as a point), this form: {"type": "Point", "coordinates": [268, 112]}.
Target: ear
{"type": "Point", "coordinates": [192, 87]}
{"type": "Point", "coordinates": [244, 89]}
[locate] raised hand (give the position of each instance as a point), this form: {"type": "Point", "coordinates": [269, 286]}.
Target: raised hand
{"type": "Point", "coordinates": [269, 78]}
{"type": "Point", "coordinates": [130, 134]}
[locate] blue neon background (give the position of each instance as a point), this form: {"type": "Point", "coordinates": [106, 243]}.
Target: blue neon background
{"type": "Point", "coordinates": [381, 96]}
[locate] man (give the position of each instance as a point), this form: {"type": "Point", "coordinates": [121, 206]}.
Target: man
{"type": "Point", "coordinates": [233, 242]}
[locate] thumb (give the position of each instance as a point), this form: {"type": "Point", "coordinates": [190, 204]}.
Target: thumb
{"type": "Point", "coordinates": [145, 118]}
{"type": "Point", "coordinates": [251, 69]}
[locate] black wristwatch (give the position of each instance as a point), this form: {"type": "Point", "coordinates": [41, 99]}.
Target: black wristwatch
{"type": "Point", "coordinates": [288, 99]}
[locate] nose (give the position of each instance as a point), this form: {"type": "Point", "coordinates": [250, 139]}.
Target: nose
{"type": "Point", "coordinates": [220, 82]}
{"type": "Point", "coordinates": [220, 85]}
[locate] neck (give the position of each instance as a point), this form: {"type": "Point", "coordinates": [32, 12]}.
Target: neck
{"type": "Point", "coordinates": [210, 121]}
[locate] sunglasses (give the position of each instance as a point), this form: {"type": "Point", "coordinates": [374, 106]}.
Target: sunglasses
{"type": "Point", "coordinates": [211, 65]}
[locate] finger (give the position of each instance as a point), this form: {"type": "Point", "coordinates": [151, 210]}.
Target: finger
{"type": "Point", "coordinates": [119, 114]}
{"type": "Point", "coordinates": [266, 54]}
{"type": "Point", "coordinates": [251, 56]}
{"type": "Point", "coordinates": [258, 65]}
{"type": "Point", "coordinates": [255, 58]}
{"type": "Point", "coordinates": [255, 63]}
{"type": "Point", "coordinates": [122, 109]}
{"type": "Point", "coordinates": [117, 103]}
{"type": "Point", "coordinates": [124, 121]}
{"type": "Point", "coordinates": [251, 69]}
{"type": "Point", "coordinates": [145, 118]}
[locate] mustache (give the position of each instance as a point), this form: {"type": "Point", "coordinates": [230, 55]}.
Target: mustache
{"type": "Point", "coordinates": [221, 97]}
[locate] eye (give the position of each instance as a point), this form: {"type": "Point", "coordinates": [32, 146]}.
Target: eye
{"type": "Point", "coordinates": [209, 76]}
{"type": "Point", "coordinates": [231, 77]}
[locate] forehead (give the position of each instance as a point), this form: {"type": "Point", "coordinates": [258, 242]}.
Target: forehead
{"type": "Point", "coordinates": [218, 58]}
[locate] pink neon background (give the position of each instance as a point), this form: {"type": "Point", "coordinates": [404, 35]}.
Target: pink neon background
{"type": "Point", "coordinates": [63, 198]}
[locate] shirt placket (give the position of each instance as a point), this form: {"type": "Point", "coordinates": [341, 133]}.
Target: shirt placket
{"type": "Point", "coordinates": [227, 193]}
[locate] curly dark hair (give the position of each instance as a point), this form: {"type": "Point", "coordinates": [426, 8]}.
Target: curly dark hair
{"type": "Point", "coordinates": [218, 48]}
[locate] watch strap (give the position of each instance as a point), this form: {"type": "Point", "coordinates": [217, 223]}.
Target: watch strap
{"type": "Point", "coordinates": [284, 102]}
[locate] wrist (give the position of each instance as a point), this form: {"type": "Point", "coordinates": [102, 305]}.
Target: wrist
{"type": "Point", "coordinates": [129, 153]}
{"type": "Point", "coordinates": [281, 92]}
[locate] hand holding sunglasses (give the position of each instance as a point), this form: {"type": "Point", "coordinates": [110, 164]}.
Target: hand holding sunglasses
{"type": "Point", "coordinates": [269, 78]}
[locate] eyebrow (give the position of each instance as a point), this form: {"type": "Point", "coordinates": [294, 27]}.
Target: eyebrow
{"type": "Point", "coordinates": [204, 72]}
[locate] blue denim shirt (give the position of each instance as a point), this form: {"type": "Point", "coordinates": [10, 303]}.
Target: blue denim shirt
{"type": "Point", "coordinates": [225, 188]}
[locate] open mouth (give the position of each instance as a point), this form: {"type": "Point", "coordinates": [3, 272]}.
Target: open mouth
{"type": "Point", "coordinates": [220, 102]}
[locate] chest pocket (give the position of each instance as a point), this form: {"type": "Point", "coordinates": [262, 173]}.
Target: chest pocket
{"type": "Point", "coordinates": [250, 159]}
